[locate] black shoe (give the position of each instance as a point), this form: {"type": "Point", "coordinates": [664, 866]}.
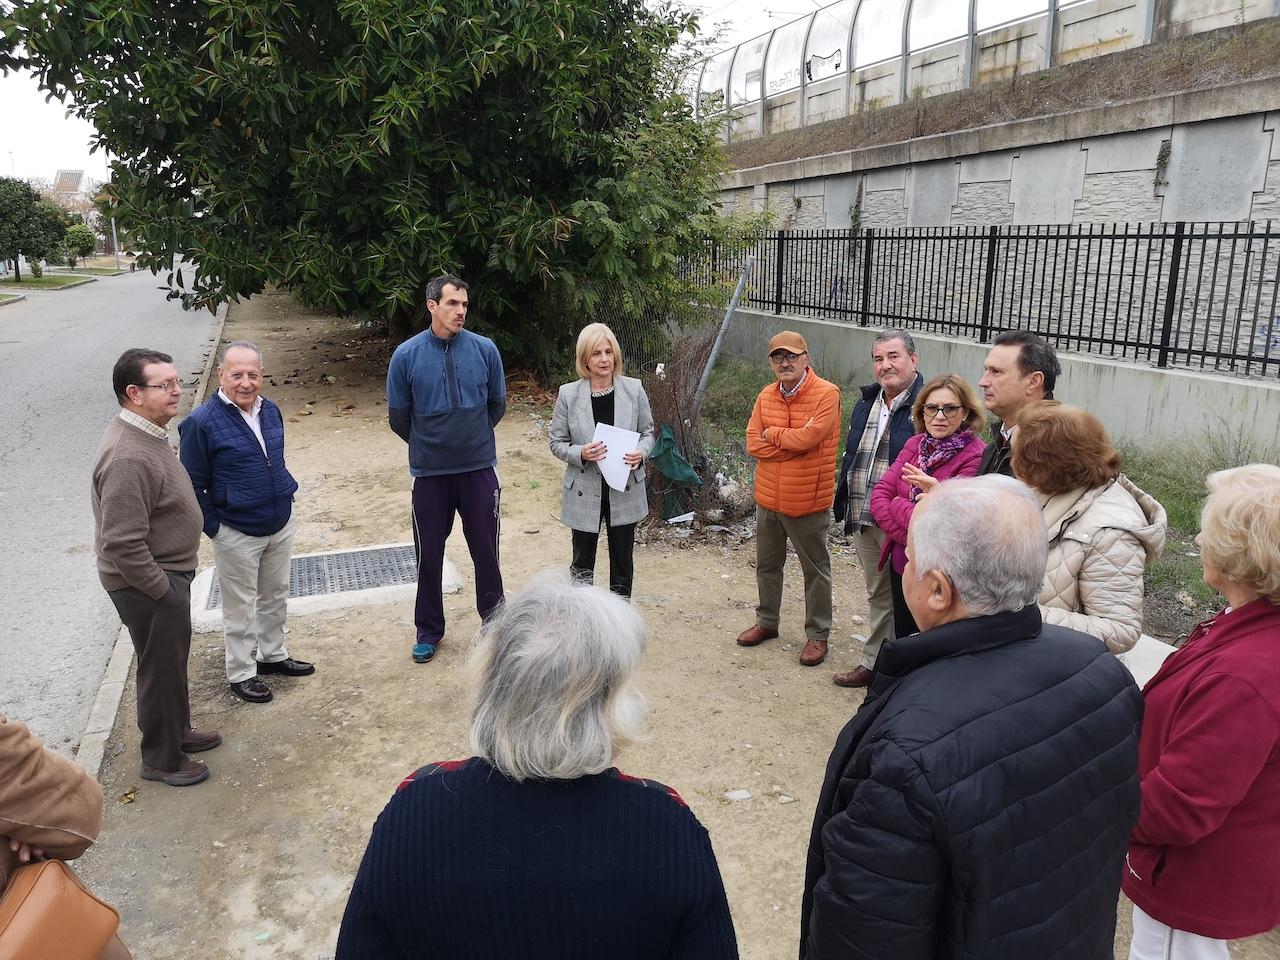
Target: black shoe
{"type": "Point", "coordinates": [289, 667]}
{"type": "Point", "coordinates": [252, 690]}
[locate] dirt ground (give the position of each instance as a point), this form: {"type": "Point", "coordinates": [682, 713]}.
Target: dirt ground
{"type": "Point", "coordinates": [258, 861]}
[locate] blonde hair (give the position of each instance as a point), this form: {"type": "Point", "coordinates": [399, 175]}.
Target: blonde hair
{"type": "Point", "coordinates": [1240, 527]}
{"type": "Point", "coordinates": [551, 678]}
{"type": "Point", "coordinates": [588, 340]}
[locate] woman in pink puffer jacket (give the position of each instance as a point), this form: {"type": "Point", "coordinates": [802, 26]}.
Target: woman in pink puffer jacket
{"type": "Point", "coordinates": [947, 415]}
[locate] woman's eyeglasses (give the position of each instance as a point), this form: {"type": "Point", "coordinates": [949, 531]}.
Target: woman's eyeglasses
{"type": "Point", "coordinates": [948, 410]}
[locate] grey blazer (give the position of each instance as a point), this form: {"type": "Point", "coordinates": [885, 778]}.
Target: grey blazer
{"type": "Point", "coordinates": [572, 425]}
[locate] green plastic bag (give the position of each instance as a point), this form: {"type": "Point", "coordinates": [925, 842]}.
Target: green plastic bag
{"type": "Point", "coordinates": [679, 479]}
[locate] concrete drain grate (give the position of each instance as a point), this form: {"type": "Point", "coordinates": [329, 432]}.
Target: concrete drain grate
{"type": "Point", "coordinates": [326, 573]}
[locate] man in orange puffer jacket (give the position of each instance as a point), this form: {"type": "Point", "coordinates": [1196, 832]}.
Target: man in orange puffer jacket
{"type": "Point", "coordinates": [793, 434]}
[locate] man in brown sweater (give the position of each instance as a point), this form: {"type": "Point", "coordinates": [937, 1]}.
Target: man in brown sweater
{"type": "Point", "coordinates": [146, 531]}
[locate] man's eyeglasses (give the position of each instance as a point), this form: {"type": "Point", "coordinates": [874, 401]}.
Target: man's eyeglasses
{"type": "Point", "coordinates": [168, 386]}
{"type": "Point", "coordinates": [948, 410]}
{"type": "Point", "coordinates": [785, 357]}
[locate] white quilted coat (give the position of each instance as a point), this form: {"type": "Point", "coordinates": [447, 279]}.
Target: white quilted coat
{"type": "Point", "coordinates": [1099, 542]}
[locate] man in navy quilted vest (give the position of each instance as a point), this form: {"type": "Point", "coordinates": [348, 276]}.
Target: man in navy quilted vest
{"type": "Point", "coordinates": [233, 448]}
{"type": "Point", "coordinates": [979, 803]}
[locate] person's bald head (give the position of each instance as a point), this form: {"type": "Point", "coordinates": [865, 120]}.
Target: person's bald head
{"type": "Point", "coordinates": [975, 547]}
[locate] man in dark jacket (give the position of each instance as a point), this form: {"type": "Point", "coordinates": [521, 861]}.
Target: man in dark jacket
{"type": "Point", "coordinates": [979, 803]}
{"type": "Point", "coordinates": [879, 426]}
{"type": "Point", "coordinates": [1021, 368]}
{"type": "Point", "coordinates": [233, 448]}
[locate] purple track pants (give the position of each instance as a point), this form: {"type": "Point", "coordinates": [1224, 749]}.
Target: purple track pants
{"type": "Point", "coordinates": [476, 496]}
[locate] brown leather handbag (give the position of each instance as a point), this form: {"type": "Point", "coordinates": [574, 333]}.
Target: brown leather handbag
{"type": "Point", "coordinates": [46, 913]}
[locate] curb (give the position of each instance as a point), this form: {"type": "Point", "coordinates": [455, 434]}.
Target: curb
{"type": "Point", "coordinates": [66, 286]}
{"type": "Point", "coordinates": [106, 705]}
{"type": "Point", "coordinates": [11, 298]}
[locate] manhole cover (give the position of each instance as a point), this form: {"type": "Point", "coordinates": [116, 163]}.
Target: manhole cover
{"type": "Point", "coordinates": [325, 573]}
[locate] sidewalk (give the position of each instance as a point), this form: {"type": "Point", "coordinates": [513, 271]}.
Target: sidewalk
{"type": "Point", "coordinates": [258, 861]}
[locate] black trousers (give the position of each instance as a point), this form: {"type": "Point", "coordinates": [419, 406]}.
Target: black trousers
{"type": "Point", "coordinates": [161, 635]}
{"type": "Point", "coordinates": [904, 624]}
{"type": "Point", "coordinates": [622, 541]}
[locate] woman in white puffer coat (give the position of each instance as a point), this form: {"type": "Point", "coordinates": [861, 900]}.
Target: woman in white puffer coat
{"type": "Point", "coordinates": [1103, 529]}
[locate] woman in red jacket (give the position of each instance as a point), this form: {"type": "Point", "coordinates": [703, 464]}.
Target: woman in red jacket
{"type": "Point", "coordinates": [947, 416]}
{"type": "Point", "coordinates": [1204, 859]}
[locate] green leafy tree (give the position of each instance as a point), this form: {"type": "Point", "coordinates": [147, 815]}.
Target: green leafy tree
{"type": "Point", "coordinates": [79, 242]}
{"type": "Point", "coordinates": [29, 226]}
{"type": "Point", "coordinates": [353, 149]}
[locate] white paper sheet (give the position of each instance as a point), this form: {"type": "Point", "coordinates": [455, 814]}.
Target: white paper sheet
{"type": "Point", "coordinates": [618, 443]}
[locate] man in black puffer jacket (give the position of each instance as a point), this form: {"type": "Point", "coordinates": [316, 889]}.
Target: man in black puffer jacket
{"type": "Point", "coordinates": [979, 803]}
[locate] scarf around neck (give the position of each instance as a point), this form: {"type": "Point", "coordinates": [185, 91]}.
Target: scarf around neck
{"type": "Point", "coordinates": [935, 452]}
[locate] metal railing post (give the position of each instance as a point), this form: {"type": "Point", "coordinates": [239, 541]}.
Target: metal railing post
{"type": "Point", "coordinates": [1171, 295]}
{"type": "Point", "coordinates": [778, 271]}
{"type": "Point", "coordinates": [988, 285]}
{"type": "Point", "coordinates": [864, 307]}
{"type": "Point", "coordinates": [705, 380]}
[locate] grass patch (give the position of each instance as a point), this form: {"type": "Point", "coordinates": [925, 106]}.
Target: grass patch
{"type": "Point", "coordinates": [94, 271]}
{"type": "Point", "coordinates": [731, 395]}
{"type": "Point", "coordinates": [1176, 595]}
{"type": "Point", "coordinates": [6, 297]}
{"type": "Point", "coordinates": [46, 282]}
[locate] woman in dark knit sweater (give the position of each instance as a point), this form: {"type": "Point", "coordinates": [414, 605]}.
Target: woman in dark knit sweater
{"type": "Point", "coordinates": [538, 847]}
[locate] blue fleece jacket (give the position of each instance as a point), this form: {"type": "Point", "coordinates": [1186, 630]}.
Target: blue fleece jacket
{"type": "Point", "coordinates": [235, 482]}
{"type": "Point", "coordinates": [444, 397]}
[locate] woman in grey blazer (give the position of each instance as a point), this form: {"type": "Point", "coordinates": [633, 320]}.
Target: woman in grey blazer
{"type": "Point", "coordinates": [602, 395]}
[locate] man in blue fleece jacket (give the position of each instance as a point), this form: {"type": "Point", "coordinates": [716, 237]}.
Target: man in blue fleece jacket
{"type": "Point", "coordinates": [446, 391]}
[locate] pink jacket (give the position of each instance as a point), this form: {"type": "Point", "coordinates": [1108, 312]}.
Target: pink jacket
{"type": "Point", "coordinates": [891, 503]}
{"type": "Point", "coordinates": [1205, 855]}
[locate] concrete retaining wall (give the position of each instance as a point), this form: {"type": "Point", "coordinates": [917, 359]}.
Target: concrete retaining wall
{"type": "Point", "coordinates": [1210, 155]}
{"type": "Point", "coordinates": [1141, 405]}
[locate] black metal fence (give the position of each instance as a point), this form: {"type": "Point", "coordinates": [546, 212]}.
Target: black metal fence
{"type": "Point", "coordinates": [1187, 294]}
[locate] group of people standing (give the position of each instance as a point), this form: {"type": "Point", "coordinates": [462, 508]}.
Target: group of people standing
{"type": "Point", "coordinates": [997, 785]}
{"type": "Point", "coordinates": [998, 780]}
{"type": "Point", "coordinates": [905, 437]}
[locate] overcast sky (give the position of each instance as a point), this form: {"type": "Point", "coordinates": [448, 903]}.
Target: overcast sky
{"type": "Point", "coordinates": [37, 139]}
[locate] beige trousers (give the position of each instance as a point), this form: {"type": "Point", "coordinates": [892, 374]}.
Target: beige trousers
{"type": "Point", "coordinates": [808, 535]}
{"type": "Point", "coordinates": [879, 592]}
{"type": "Point", "coordinates": [253, 573]}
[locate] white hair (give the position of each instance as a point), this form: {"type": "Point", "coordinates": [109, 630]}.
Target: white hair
{"type": "Point", "coordinates": [242, 345]}
{"type": "Point", "coordinates": [988, 536]}
{"type": "Point", "coordinates": [551, 681]}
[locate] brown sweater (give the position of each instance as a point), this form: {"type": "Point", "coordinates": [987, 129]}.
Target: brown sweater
{"type": "Point", "coordinates": [146, 517]}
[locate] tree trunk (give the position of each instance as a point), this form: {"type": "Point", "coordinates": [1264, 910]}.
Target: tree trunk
{"type": "Point", "coordinates": [405, 323]}
{"type": "Point", "coordinates": [17, 270]}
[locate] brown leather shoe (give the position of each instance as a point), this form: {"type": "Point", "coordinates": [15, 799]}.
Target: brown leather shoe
{"type": "Point", "coordinates": [752, 636]}
{"type": "Point", "coordinates": [814, 652]}
{"type": "Point", "coordinates": [859, 676]}
{"type": "Point", "coordinates": [191, 771]}
{"type": "Point", "coordinates": [198, 741]}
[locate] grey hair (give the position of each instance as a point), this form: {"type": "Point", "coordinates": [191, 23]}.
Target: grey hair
{"type": "Point", "coordinates": [551, 681]}
{"type": "Point", "coordinates": [988, 536]}
{"type": "Point", "coordinates": [243, 345]}
{"type": "Point", "coordinates": [893, 333]}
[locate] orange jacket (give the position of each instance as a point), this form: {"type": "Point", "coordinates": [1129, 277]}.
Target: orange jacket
{"type": "Point", "coordinates": [796, 468]}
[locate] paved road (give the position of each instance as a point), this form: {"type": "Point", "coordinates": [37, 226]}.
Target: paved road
{"type": "Point", "coordinates": [57, 347]}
